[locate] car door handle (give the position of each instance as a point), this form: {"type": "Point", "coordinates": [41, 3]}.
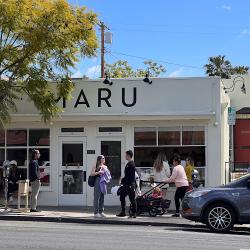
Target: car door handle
{"type": "Point", "coordinates": [236, 194]}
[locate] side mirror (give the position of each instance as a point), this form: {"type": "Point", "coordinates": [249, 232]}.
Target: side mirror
{"type": "Point", "coordinates": [248, 184]}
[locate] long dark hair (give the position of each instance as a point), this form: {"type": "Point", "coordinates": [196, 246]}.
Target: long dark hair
{"type": "Point", "coordinates": [98, 161]}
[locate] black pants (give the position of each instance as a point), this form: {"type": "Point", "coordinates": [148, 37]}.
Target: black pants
{"type": "Point", "coordinates": [179, 194]}
{"type": "Point", "coordinates": [130, 191]}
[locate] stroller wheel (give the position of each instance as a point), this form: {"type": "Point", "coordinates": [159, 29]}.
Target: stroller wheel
{"type": "Point", "coordinates": [152, 211]}
{"type": "Point", "coordinates": [161, 211]}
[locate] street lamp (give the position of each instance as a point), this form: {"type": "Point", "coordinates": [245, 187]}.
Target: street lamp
{"type": "Point", "coordinates": [232, 87]}
{"type": "Point", "coordinates": [107, 79]}
{"type": "Point", "coordinates": [146, 79]}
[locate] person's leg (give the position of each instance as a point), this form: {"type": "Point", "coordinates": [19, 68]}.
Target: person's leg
{"type": "Point", "coordinates": [131, 193]}
{"type": "Point", "coordinates": [183, 192]}
{"type": "Point", "coordinates": [34, 195]}
{"type": "Point", "coordinates": [123, 199]}
{"type": "Point", "coordinates": [177, 200]}
{"type": "Point", "coordinates": [97, 194]}
{"type": "Point", "coordinates": [123, 194]}
{"type": "Point", "coordinates": [101, 203]}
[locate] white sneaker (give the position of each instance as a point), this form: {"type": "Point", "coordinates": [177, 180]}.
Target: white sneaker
{"type": "Point", "coordinates": [103, 215]}
{"type": "Point", "coordinates": [97, 215]}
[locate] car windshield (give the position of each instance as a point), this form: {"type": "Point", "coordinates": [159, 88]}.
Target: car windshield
{"type": "Point", "coordinates": [241, 182]}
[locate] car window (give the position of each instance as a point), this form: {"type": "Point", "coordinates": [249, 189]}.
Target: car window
{"type": "Point", "coordinates": [240, 183]}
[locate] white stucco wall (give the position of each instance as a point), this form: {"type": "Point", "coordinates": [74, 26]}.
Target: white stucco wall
{"type": "Point", "coordinates": [167, 102]}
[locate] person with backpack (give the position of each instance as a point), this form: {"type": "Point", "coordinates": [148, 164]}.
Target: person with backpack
{"type": "Point", "coordinates": [98, 170]}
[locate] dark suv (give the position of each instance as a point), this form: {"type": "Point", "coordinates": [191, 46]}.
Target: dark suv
{"type": "Point", "coordinates": [219, 207]}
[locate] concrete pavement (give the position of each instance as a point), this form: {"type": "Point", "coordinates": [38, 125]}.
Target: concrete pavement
{"type": "Point", "coordinates": [71, 236]}
{"type": "Point", "coordinates": [85, 215]}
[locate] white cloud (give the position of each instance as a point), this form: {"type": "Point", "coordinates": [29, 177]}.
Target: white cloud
{"type": "Point", "coordinates": [176, 73]}
{"type": "Point", "coordinates": [245, 32]}
{"type": "Point", "coordinates": [93, 72]}
{"type": "Point", "coordinates": [78, 74]}
{"type": "Point", "coordinates": [226, 7]}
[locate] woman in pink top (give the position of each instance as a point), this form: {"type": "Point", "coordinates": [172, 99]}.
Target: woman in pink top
{"type": "Point", "coordinates": [179, 177]}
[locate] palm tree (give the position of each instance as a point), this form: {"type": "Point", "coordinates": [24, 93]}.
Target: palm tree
{"type": "Point", "coordinates": [240, 70]}
{"type": "Point", "coordinates": [218, 66]}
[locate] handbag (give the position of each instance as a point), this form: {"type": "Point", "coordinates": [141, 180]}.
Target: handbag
{"type": "Point", "coordinates": [91, 181]}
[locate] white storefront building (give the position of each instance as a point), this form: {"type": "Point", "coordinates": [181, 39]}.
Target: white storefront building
{"type": "Point", "coordinates": [185, 115]}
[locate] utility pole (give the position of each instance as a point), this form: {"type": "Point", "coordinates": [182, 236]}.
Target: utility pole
{"type": "Point", "coordinates": [103, 27]}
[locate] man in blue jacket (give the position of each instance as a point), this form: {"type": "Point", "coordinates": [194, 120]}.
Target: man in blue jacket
{"type": "Point", "coordinates": [128, 185]}
{"type": "Point", "coordinates": [34, 175]}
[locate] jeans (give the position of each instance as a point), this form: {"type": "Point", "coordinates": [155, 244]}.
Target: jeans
{"type": "Point", "coordinates": [98, 197]}
{"type": "Point", "coordinates": [179, 194]}
{"type": "Point", "coordinates": [130, 191]}
{"type": "Point", "coordinates": [35, 185]}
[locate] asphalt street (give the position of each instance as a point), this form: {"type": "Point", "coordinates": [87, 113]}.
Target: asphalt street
{"type": "Point", "coordinates": [45, 235]}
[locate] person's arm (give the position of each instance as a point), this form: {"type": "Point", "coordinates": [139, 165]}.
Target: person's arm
{"type": "Point", "coordinates": [167, 169]}
{"type": "Point", "coordinates": [173, 177]}
{"type": "Point", "coordinates": [93, 171]}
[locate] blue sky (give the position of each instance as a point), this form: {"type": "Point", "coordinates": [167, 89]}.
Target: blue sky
{"type": "Point", "coordinates": [180, 33]}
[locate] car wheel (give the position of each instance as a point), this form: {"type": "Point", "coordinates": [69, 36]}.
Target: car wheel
{"type": "Point", "coordinates": [152, 211]}
{"type": "Point", "coordinates": [219, 217]}
{"type": "Point", "coordinates": [161, 211]}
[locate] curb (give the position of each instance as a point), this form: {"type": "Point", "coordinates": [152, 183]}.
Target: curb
{"type": "Point", "coordinates": [97, 221]}
{"type": "Point", "coordinates": [109, 222]}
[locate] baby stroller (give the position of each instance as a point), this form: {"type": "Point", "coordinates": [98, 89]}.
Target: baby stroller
{"type": "Point", "coordinates": [145, 203]}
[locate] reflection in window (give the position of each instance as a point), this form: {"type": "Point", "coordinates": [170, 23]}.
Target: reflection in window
{"type": "Point", "coordinates": [72, 154]}
{"type": "Point", "coordinates": [17, 154]}
{"type": "Point", "coordinates": [112, 152]}
{"type": "Point", "coordinates": [39, 137]}
{"type": "Point", "coordinates": [169, 136]}
{"type": "Point", "coordinates": [17, 137]}
{"type": "Point", "coordinates": [145, 136]}
{"type": "Point", "coordinates": [73, 182]}
{"type": "Point", "coordinates": [44, 165]}
{"type": "Point", "coordinates": [193, 136]}
{"type": "Point", "coordinates": [2, 138]}
{"type": "Point", "coordinates": [2, 156]}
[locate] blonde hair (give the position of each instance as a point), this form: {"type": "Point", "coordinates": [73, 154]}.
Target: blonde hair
{"type": "Point", "coordinates": [157, 190]}
{"type": "Point", "coordinates": [158, 164]}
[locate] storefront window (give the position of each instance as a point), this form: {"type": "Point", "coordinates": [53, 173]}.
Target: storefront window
{"type": "Point", "coordinates": [39, 137]}
{"type": "Point", "coordinates": [18, 148]}
{"type": "Point", "coordinates": [19, 155]}
{"type": "Point", "coordinates": [2, 138]}
{"type": "Point", "coordinates": [169, 136]}
{"type": "Point", "coordinates": [17, 137]}
{"type": "Point", "coordinates": [72, 154]}
{"type": "Point", "coordinates": [193, 135]}
{"type": "Point", "coordinates": [44, 165]}
{"type": "Point", "coordinates": [145, 136]}
{"type": "Point", "coordinates": [2, 156]}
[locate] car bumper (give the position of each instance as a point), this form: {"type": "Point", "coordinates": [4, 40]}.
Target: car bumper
{"type": "Point", "coordinates": [191, 209]}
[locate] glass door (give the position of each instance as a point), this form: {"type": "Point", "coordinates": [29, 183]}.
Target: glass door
{"type": "Point", "coordinates": [72, 171]}
{"type": "Point", "coordinates": [112, 149]}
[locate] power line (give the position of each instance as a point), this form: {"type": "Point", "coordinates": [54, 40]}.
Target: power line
{"type": "Point", "coordinates": [161, 61]}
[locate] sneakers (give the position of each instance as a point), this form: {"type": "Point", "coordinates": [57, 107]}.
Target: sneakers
{"type": "Point", "coordinates": [132, 216]}
{"type": "Point", "coordinates": [34, 210]}
{"type": "Point", "coordinates": [175, 215]}
{"type": "Point", "coordinates": [121, 214]}
{"type": "Point", "coordinates": [103, 215]}
{"type": "Point", "coordinates": [97, 215]}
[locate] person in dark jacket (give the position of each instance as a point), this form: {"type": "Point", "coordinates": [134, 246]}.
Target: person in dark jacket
{"type": "Point", "coordinates": [128, 185]}
{"type": "Point", "coordinates": [34, 175]}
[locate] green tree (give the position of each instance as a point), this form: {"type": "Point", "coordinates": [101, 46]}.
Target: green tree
{"type": "Point", "coordinates": [40, 40]}
{"type": "Point", "coordinates": [219, 66]}
{"type": "Point", "coordinates": [122, 69]}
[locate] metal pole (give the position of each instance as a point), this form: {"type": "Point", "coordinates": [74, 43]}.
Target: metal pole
{"type": "Point", "coordinates": [102, 49]}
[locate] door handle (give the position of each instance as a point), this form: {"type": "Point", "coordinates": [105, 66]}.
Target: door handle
{"type": "Point", "coordinates": [60, 175]}
{"type": "Point", "coordinates": [236, 194]}
{"type": "Point", "coordinates": [84, 176]}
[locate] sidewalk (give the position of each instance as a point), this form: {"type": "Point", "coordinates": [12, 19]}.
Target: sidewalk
{"type": "Point", "coordinates": [85, 215]}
